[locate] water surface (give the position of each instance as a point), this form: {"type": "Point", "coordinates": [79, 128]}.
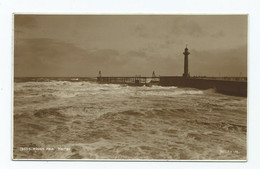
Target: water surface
{"type": "Point", "coordinates": [61, 118]}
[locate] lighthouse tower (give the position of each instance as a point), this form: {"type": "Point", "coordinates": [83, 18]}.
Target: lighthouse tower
{"type": "Point", "coordinates": [186, 62]}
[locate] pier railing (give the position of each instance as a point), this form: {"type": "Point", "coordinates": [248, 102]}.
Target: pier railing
{"type": "Point", "coordinates": [128, 80]}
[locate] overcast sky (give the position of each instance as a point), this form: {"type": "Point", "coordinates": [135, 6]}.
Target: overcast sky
{"type": "Point", "coordinates": [128, 45]}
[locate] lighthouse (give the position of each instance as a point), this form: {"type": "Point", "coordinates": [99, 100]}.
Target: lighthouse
{"type": "Point", "coordinates": [186, 62]}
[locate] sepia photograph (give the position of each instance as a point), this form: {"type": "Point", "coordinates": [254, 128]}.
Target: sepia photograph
{"type": "Point", "coordinates": [130, 87]}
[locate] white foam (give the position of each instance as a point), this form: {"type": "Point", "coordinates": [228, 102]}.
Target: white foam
{"type": "Point", "coordinates": [116, 121]}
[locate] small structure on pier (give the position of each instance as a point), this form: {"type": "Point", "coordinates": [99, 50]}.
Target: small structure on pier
{"type": "Point", "coordinates": [153, 75]}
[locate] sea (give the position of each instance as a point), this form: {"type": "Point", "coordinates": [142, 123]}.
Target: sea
{"type": "Point", "coordinates": [78, 118]}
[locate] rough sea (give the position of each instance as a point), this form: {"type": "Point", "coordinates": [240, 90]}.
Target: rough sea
{"type": "Point", "coordinates": [77, 118]}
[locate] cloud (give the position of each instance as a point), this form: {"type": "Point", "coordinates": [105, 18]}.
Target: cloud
{"type": "Point", "coordinates": [181, 26]}
{"type": "Point", "coordinates": [218, 34]}
{"type": "Point", "coordinates": [141, 31]}
{"type": "Point", "coordinates": [137, 54]}
{"type": "Point", "coordinates": [24, 21]}
{"type": "Point", "coordinates": [101, 54]}
{"type": "Point", "coordinates": [45, 49]}
{"type": "Point", "coordinates": [125, 45]}
{"type": "Point", "coordinates": [48, 57]}
{"type": "Point", "coordinates": [44, 57]}
{"type": "Point", "coordinates": [228, 62]}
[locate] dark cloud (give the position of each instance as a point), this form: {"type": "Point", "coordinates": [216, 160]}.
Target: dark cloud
{"type": "Point", "coordinates": [24, 21]}
{"type": "Point", "coordinates": [194, 29]}
{"type": "Point", "coordinates": [218, 34]}
{"type": "Point", "coordinates": [101, 55]}
{"type": "Point", "coordinates": [47, 57]}
{"type": "Point", "coordinates": [43, 57]}
{"type": "Point", "coordinates": [167, 43]}
{"type": "Point", "coordinates": [182, 26]}
{"type": "Point", "coordinates": [141, 31]}
{"type": "Point", "coordinates": [71, 45]}
{"type": "Point", "coordinates": [229, 62]}
{"type": "Point", "coordinates": [139, 54]}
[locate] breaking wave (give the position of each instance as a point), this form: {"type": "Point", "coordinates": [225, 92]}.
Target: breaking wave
{"type": "Point", "coordinates": [110, 121]}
